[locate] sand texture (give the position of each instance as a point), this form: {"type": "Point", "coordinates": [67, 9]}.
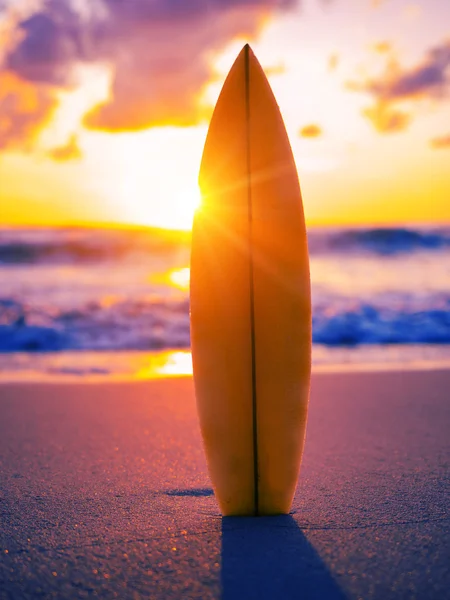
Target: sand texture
{"type": "Point", "coordinates": [104, 493]}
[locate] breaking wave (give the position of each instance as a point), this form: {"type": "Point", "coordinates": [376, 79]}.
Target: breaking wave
{"type": "Point", "coordinates": [158, 325]}
{"type": "Point", "coordinates": [387, 241]}
{"type": "Point", "coordinates": [78, 246]}
{"type": "Point", "coordinates": [81, 246]}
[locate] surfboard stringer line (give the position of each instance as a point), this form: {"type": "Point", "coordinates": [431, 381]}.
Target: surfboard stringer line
{"type": "Point", "coordinates": [252, 294]}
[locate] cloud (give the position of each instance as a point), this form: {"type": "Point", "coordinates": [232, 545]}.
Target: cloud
{"type": "Point", "coordinates": [160, 53]}
{"type": "Point", "coordinates": [51, 42]}
{"type": "Point", "coordinates": [24, 110]}
{"type": "Point", "coordinates": [310, 131]}
{"type": "Point", "coordinates": [440, 142]}
{"type": "Point", "coordinates": [66, 152]}
{"type": "Point", "coordinates": [430, 79]}
{"type": "Point", "coordinates": [166, 60]}
{"type": "Point", "coordinates": [333, 62]}
{"type": "Point", "coordinates": [382, 47]}
{"type": "Point", "coordinates": [386, 119]}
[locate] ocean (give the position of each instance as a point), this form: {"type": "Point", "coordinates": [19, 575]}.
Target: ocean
{"type": "Point", "coordinates": [115, 303]}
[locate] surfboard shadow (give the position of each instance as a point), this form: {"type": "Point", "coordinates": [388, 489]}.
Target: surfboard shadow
{"type": "Point", "coordinates": [193, 492]}
{"type": "Point", "coordinates": [270, 557]}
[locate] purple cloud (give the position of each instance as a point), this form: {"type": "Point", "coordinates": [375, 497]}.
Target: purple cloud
{"type": "Point", "coordinates": [52, 41]}
{"type": "Point", "coordinates": [429, 79]}
{"type": "Point", "coordinates": [159, 52]}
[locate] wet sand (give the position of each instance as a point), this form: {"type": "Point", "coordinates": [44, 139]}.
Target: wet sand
{"type": "Point", "coordinates": [104, 493]}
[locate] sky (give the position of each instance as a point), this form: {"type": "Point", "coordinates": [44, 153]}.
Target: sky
{"type": "Point", "coordinates": [105, 104]}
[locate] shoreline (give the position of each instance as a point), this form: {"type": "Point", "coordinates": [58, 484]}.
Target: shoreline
{"type": "Point", "coordinates": [108, 367]}
{"type": "Point", "coordinates": [336, 369]}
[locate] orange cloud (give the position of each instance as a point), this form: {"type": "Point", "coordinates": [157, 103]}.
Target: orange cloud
{"type": "Point", "coordinates": [24, 110]}
{"type": "Point", "coordinates": [382, 47]}
{"type": "Point", "coordinates": [159, 82]}
{"type": "Point", "coordinates": [66, 152]}
{"type": "Point", "coordinates": [160, 53]}
{"type": "Point", "coordinates": [441, 142]}
{"type": "Point", "coordinates": [386, 119]}
{"type": "Point", "coordinates": [310, 131]}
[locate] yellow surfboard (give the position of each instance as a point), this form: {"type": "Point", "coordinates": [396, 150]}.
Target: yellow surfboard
{"type": "Point", "coordinates": [250, 300]}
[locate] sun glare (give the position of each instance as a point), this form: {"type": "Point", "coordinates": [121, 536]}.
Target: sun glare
{"type": "Point", "coordinates": [186, 204]}
{"type": "Point", "coordinates": [153, 180]}
{"type": "Point", "coordinates": [167, 364]}
{"type": "Point", "coordinates": [180, 278]}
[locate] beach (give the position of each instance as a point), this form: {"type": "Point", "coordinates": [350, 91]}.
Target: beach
{"type": "Point", "coordinates": [247, 193]}
{"type": "Point", "coordinates": [105, 493]}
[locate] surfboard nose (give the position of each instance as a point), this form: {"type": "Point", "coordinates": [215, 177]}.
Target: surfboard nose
{"type": "Point", "coordinates": [247, 143]}
{"type": "Point", "coordinates": [246, 49]}
{"type": "Point", "coordinates": [226, 146]}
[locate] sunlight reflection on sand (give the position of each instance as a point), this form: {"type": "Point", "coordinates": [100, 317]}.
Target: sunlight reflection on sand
{"type": "Point", "coordinates": [144, 366]}
{"type": "Point", "coordinates": [167, 364]}
{"type": "Point", "coordinates": [180, 278]}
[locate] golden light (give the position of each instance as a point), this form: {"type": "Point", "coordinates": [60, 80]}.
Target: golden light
{"type": "Point", "coordinates": [149, 177]}
{"type": "Point", "coordinates": [185, 205]}
{"type": "Point", "coordinates": [167, 364]}
{"type": "Point", "coordinates": [153, 176]}
{"type": "Point", "coordinates": [180, 278]}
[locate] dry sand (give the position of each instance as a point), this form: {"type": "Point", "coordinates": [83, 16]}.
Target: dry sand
{"type": "Point", "coordinates": [104, 493]}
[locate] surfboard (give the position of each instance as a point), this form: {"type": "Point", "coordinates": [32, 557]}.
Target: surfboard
{"type": "Point", "coordinates": [250, 300]}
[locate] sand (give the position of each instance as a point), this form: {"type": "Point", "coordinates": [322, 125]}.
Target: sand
{"type": "Point", "coordinates": [104, 493]}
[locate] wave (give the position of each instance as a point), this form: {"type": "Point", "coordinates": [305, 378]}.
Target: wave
{"type": "Point", "coordinates": [81, 246]}
{"type": "Point", "coordinates": [164, 324]}
{"type": "Point", "coordinates": [368, 324]}
{"type": "Point", "coordinates": [73, 246]}
{"type": "Point", "coordinates": [122, 326]}
{"type": "Point", "coordinates": [388, 241]}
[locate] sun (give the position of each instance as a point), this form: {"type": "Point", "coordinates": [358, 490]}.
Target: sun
{"type": "Point", "coordinates": [155, 178]}
{"type": "Point", "coordinates": [166, 207]}
{"type": "Point", "coordinates": [185, 206]}
{"type": "Point", "coordinates": [180, 278]}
